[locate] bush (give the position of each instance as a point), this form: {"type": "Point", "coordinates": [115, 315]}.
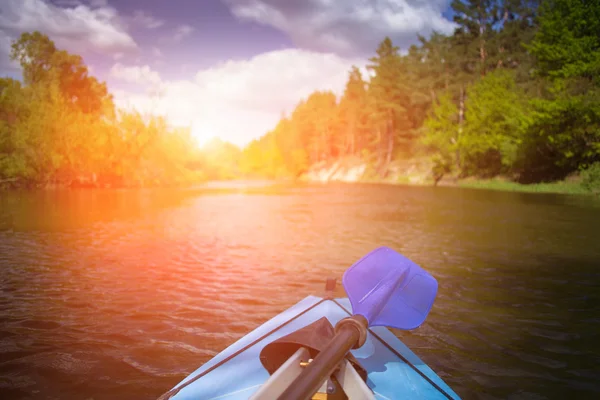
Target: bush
{"type": "Point", "coordinates": [591, 178]}
{"type": "Point", "coordinates": [441, 166]}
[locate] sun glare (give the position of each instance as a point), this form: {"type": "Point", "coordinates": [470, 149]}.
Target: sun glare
{"type": "Point", "coordinates": [202, 135]}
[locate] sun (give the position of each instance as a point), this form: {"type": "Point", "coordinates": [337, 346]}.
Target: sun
{"type": "Point", "coordinates": [202, 134]}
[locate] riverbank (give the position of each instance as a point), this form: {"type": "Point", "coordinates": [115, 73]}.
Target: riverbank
{"type": "Point", "coordinates": [418, 172]}
{"type": "Point", "coordinates": [414, 172]}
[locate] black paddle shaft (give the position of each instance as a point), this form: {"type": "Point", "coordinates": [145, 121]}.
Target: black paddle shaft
{"type": "Point", "coordinates": [351, 333]}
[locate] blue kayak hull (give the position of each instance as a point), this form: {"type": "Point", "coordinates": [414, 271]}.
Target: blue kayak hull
{"type": "Point", "coordinates": [389, 376]}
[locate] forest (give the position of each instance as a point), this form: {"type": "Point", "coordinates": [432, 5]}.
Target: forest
{"type": "Point", "coordinates": [513, 92]}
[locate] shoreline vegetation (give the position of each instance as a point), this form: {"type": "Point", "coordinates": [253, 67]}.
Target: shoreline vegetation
{"type": "Point", "coordinates": [509, 101]}
{"type": "Point", "coordinates": [416, 173]}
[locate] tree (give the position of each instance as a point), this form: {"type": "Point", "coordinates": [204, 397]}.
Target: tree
{"type": "Point", "coordinates": [441, 135]}
{"type": "Point", "coordinates": [567, 43]}
{"type": "Point", "coordinates": [389, 103]}
{"type": "Point", "coordinates": [15, 162]}
{"type": "Point", "coordinates": [475, 19]}
{"type": "Point", "coordinates": [564, 135]}
{"type": "Point", "coordinates": [497, 118]}
{"type": "Point", "coordinates": [514, 27]}
{"type": "Point", "coordinates": [59, 74]}
{"type": "Point", "coordinates": [60, 127]}
{"type": "Point", "coordinates": [352, 113]}
{"type": "Point", "coordinates": [322, 109]}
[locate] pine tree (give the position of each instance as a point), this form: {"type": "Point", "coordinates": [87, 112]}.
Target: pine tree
{"type": "Point", "coordinates": [390, 103]}
{"type": "Point", "coordinates": [352, 114]}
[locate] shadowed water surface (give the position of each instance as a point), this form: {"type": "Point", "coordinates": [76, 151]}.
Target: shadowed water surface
{"type": "Point", "coordinates": [119, 294]}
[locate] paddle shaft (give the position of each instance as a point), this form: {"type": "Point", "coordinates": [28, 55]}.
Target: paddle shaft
{"type": "Point", "coordinates": [319, 369]}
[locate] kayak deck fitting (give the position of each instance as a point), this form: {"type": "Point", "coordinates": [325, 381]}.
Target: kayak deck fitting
{"type": "Point", "coordinates": [393, 370]}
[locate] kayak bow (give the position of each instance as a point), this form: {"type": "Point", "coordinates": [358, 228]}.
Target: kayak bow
{"type": "Point", "coordinates": [300, 355]}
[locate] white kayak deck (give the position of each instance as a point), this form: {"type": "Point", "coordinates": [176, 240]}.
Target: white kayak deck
{"type": "Point", "coordinates": [388, 375]}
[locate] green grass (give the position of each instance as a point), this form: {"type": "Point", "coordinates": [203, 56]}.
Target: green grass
{"type": "Point", "coordinates": [403, 180]}
{"type": "Point", "coordinates": [554, 187]}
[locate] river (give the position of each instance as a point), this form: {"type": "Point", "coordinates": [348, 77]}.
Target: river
{"type": "Point", "coordinates": [119, 294]}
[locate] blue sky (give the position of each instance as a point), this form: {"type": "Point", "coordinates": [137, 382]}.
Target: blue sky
{"type": "Point", "coordinates": [227, 68]}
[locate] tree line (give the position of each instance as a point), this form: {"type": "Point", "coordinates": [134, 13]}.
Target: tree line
{"type": "Point", "coordinates": [514, 91]}
{"type": "Point", "coordinates": [61, 127]}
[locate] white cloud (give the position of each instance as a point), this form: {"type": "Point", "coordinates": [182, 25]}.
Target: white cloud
{"type": "Point", "coordinates": [348, 26]}
{"type": "Point", "coordinates": [146, 20]}
{"type": "Point", "coordinates": [241, 100]}
{"type": "Point", "coordinates": [77, 27]}
{"type": "Point", "coordinates": [143, 75]}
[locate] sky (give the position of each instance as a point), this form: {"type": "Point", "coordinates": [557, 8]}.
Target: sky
{"type": "Point", "coordinates": [226, 68]}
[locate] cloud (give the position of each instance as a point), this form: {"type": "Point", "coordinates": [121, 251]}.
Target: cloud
{"type": "Point", "coordinates": [239, 101]}
{"type": "Point", "coordinates": [181, 32]}
{"type": "Point", "coordinates": [349, 27]}
{"type": "Point", "coordinates": [146, 20]}
{"type": "Point", "coordinates": [177, 35]}
{"type": "Point", "coordinates": [78, 27]}
{"type": "Point", "coordinates": [143, 75]}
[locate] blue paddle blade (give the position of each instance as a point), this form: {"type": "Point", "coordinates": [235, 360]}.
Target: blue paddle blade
{"type": "Point", "coordinates": [390, 290]}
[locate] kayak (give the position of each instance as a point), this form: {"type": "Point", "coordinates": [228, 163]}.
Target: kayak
{"type": "Point", "coordinates": [255, 366]}
{"type": "Point", "coordinates": [394, 371]}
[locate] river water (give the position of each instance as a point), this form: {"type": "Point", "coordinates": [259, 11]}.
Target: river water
{"type": "Point", "coordinates": [119, 294]}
